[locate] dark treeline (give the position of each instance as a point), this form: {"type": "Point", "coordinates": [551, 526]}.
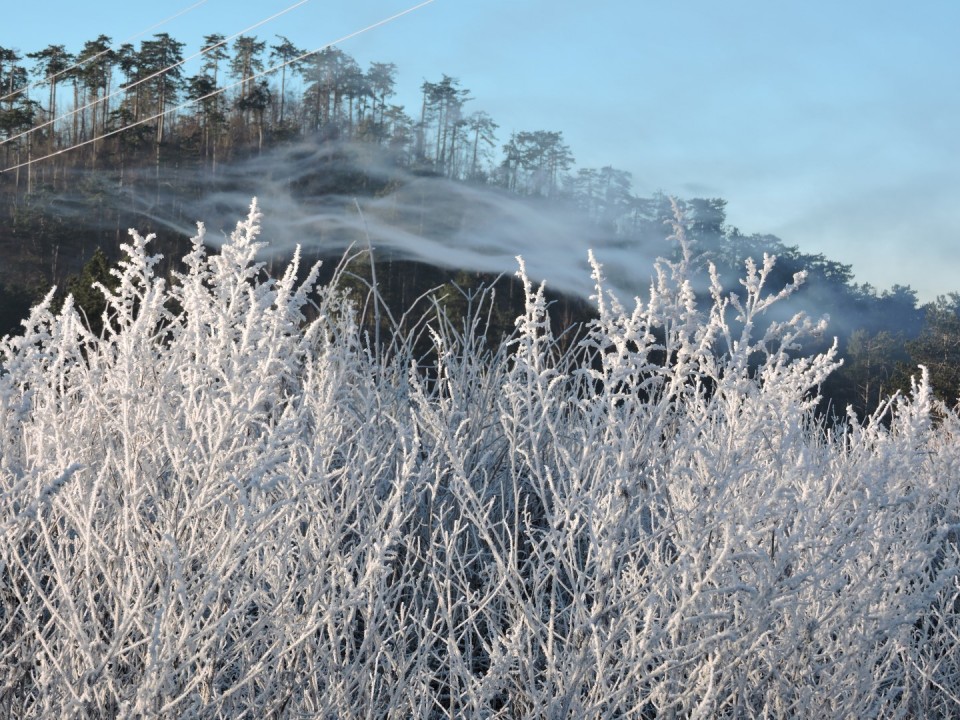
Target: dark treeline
{"type": "Point", "coordinates": [110, 124]}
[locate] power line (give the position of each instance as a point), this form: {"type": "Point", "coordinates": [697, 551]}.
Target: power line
{"type": "Point", "coordinates": [102, 52]}
{"type": "Point", "coordinates": [163, 71]}
{"type": "Point", "coordinates": [379, 23]}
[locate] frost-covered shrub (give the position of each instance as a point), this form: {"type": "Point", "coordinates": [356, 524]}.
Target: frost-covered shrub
{"type": "Point", "coordinates": [217, 509]}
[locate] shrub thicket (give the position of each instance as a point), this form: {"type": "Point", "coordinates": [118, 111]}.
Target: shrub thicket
{"type": "Point", "coordinates": [216, 509]}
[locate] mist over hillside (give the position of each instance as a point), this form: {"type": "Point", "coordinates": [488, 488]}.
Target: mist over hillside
{"type": "Point", "coordinates": [648, 522]}
{"type": "Point", "coordinates": [124, 137]}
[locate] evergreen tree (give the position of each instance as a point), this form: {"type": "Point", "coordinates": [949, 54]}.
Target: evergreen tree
{"type": "Point", "coordinates": [88, 299]}
{"type": "Point", "coordinates": [286, 54]}
{"type": "Point", "coordinates": [17, 111]}
{"type": "Point", "coordinates": [160, 69]}
{"type": "Point", "coordinates": [95, 71]}
{"type": "Point", "coordinates": [938, 347]}
{"type": "Point", "coordinates": [50, 65]}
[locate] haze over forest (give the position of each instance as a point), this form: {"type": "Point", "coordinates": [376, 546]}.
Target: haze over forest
{"type": "Point", "coordinates": [834, 134]}
{"type": "Point", "coordinates": [125, 138]}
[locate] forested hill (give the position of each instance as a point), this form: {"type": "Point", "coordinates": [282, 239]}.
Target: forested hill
{"type": "Point", "coordinates": [120, 138]}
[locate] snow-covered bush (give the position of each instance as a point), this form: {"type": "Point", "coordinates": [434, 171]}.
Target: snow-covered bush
{"type": "Point", "coordinates": [217, 509]}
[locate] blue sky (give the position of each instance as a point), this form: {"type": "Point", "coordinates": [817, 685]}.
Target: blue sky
{"type": "Point", "coordinates": [834, 125]}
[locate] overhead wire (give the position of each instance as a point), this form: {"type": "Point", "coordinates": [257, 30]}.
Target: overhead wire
{"type": "Point", "coordinates": [84, 61]}
{"type": "Point", "coordinates": [193, 101]}
{"type": "Point", "coordinates": [163, 71]}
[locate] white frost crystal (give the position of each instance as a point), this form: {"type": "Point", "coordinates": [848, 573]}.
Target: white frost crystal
{"type": "Point", "coordinates": [218, 509]}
